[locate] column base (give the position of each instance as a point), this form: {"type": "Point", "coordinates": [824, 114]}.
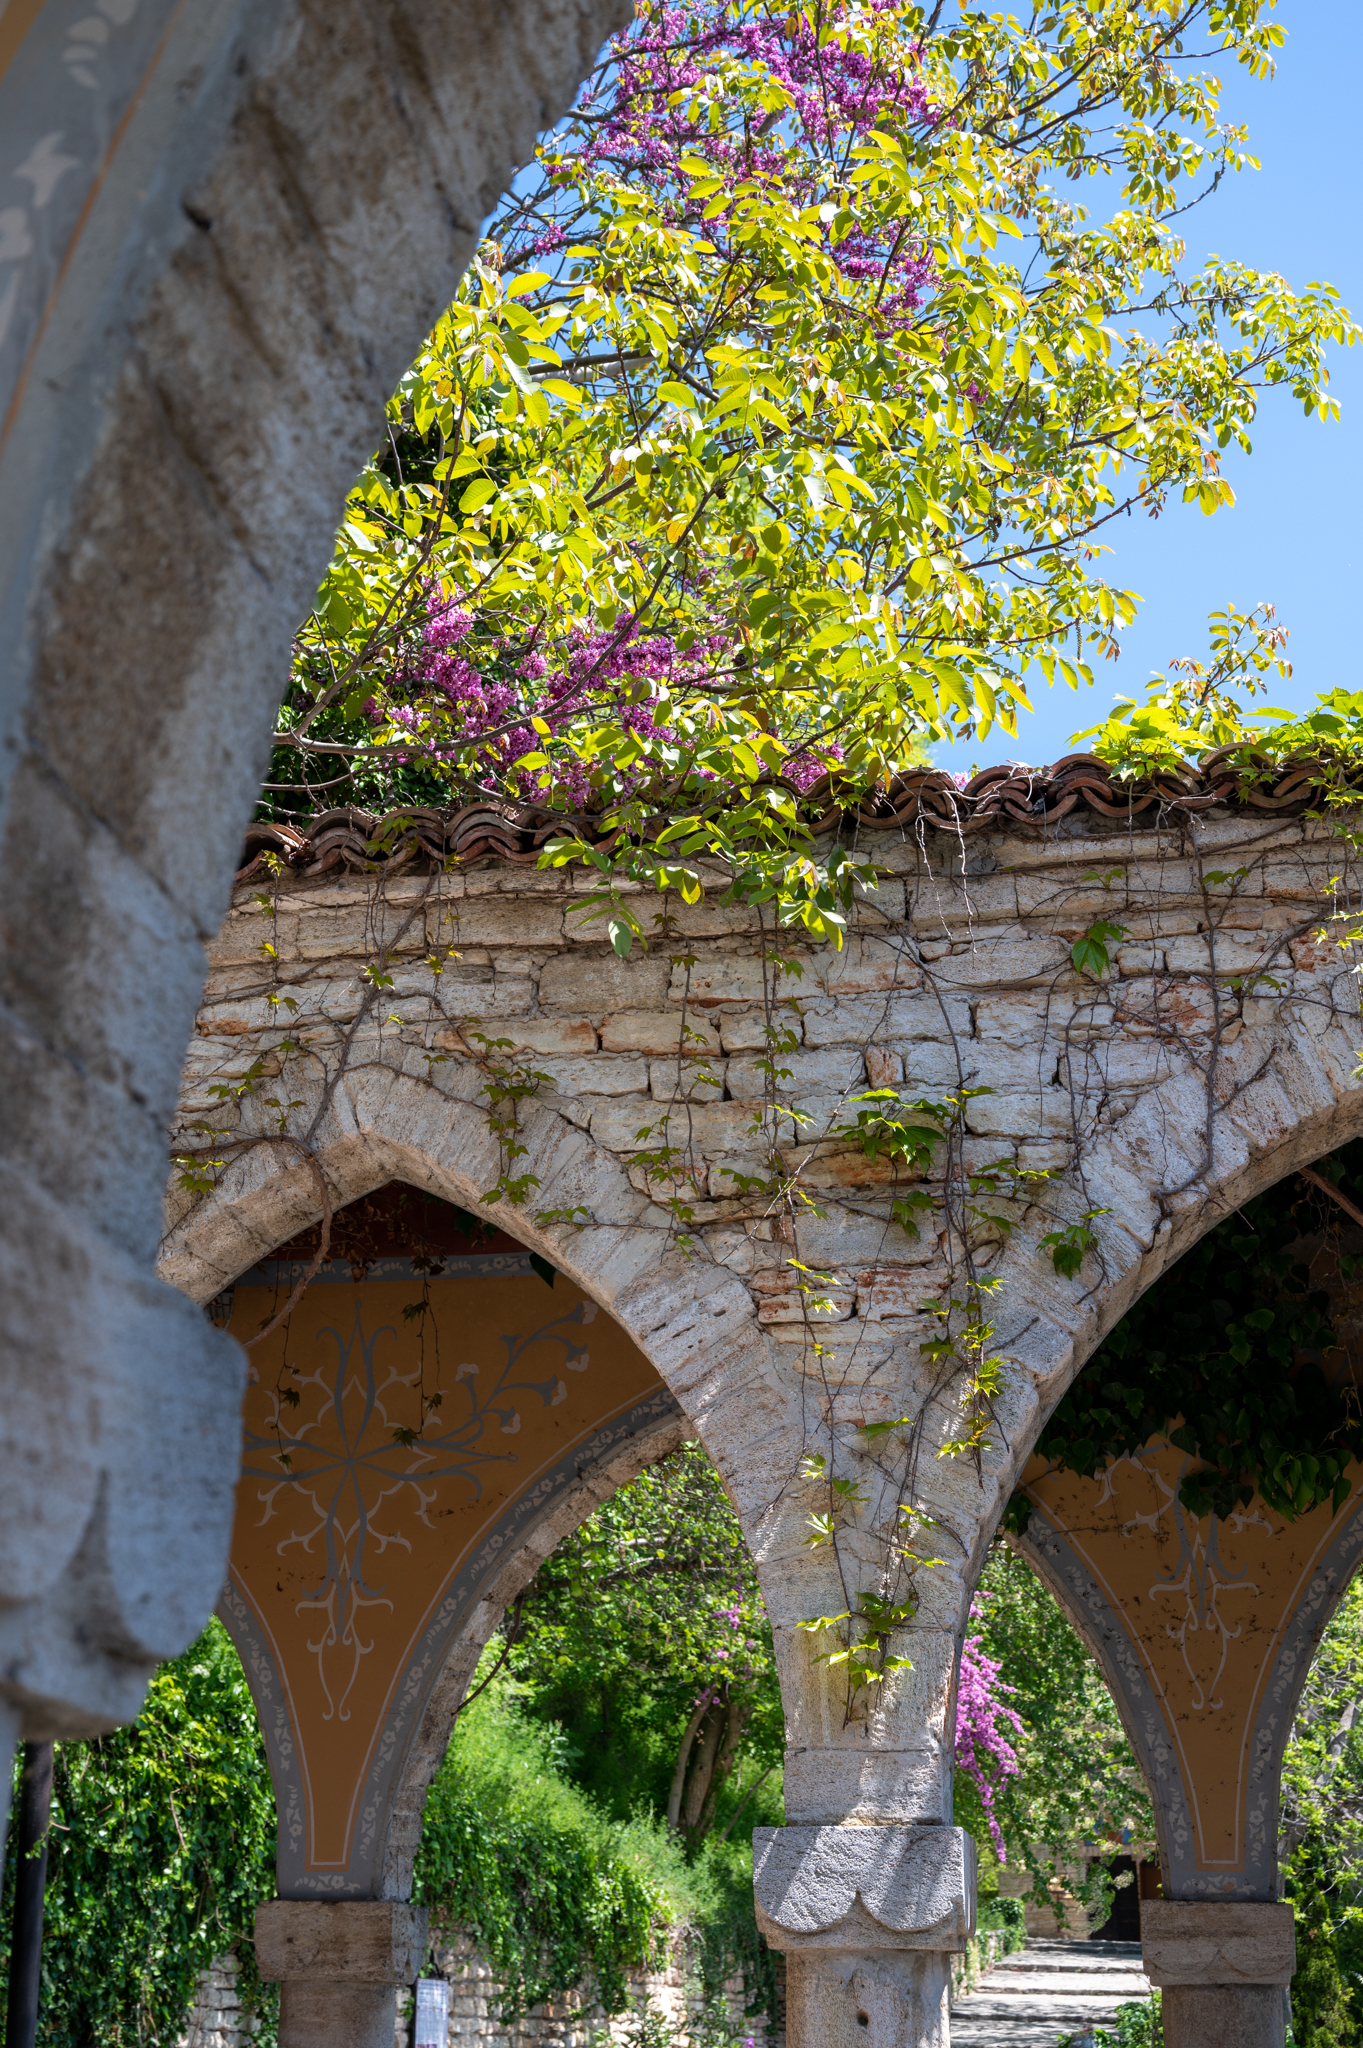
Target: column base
{"type": "Point", "coordinates": [867, 1998]}
{"type": "Point", "coordinates": [313, 2015]}
{"type": "Point", "coordinates": [1224, 2016]}
{"type": "Point", "coordinates": [338, 1964]}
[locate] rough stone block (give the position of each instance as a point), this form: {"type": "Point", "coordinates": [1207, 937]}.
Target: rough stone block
{"type": "Point", "coordinates": [737, 978]}
{"type": "Point", "coordinates": [892, 1019]}
{"type": "Point", "coordinates": [884, 1069]}
{"type": "Point", "coordinates": [593, 983]}
{"type": "Point", "coordinates": [1233, 953]}
{"type": "Point", "coordinates": [785, 1296]}
{"type": "Point", "coordinates": [351, 1941]}
{"type": "Point", "coordinates": [832, 1070]}
{"type": "Point", "coordinates": [1009, 958]}
{"type": "Point", "coordinates": [867, 962]}
{"type": "Point", "coordinates": [510, 921]}
{"type": "Point", "coordinates": [638, 1031]}
{"type": "Point", "coordinates": [898, 1294]}
{"type": "Point", "coordinates": [699, 1080]}
{"type": "Point", "coordinates": [600, 1074]}
{"type": "Point", "coordinates": [1046, 1113]}
{"type": "Point", "coordinates": [746, 1031]}
{"type": "Point", "coordinates": [1197, 1941]}
{"type": "Point", "coordinates": [548, 1035]}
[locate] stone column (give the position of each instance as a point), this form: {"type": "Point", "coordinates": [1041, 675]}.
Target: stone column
{"type": "Point", "coordinates": [339, 1964]}
{"type": "Point", "coordinates": [869, 1918]}
{"type": "Point", "coordinates": [1223, 1968]}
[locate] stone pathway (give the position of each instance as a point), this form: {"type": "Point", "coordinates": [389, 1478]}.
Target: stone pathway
{"type": "Point", "coordinates": [1046, 1991]}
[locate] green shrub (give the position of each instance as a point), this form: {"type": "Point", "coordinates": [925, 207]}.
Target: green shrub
{"type": "Point", "coordinates": [1137, 2025]}
{"type": "Point", "coordinates": [1324, 2012]}
{"type": "Point", "coordinates": [162, 1845]}
{"type": "Point", "coordinates": [552, 1892]}
{"type": "Point", "coordinates": [556, 1893]}
{"type": "Point", "coordinates": [1007, 1915]}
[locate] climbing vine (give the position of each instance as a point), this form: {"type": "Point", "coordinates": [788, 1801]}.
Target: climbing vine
{"type": "Point", "coordinates": [1227, 1360]}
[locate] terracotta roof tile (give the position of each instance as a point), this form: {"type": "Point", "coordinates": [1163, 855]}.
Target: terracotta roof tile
{"type": "Point", "coordinates": [1006, 797]}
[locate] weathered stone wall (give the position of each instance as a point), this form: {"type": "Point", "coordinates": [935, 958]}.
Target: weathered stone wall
{"type": "Point", "coordinates": [218, 2020]}
{"type": "Point", "coordinates": [1219, 1051]}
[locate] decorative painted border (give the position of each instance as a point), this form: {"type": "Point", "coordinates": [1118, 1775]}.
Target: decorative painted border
{"type": "Point", "coordinates": [360, 1878]}
{"type": "Point", "coordinates": [287, 1273]}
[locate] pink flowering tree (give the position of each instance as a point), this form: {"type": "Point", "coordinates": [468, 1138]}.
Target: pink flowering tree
{"type": "Point", "coordinates": [986, 1729]}
{"type": "Point", "coordinates": [776, 425]}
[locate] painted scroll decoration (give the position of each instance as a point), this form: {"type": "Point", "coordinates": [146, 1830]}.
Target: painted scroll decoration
{"type": "Point", "coordinates": [404, 1432]}
{"type": "Point", "coordinates": [1205, 1630]}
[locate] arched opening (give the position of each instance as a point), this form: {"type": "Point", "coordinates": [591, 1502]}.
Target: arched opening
{"type": "Point", "coordinates": [1193, 1504]}
{"type": "Point", "coordinates": [422, 1420]}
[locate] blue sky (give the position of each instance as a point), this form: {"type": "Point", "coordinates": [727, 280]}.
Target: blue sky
{"type": "Point", "coordinates": [1292, 536]}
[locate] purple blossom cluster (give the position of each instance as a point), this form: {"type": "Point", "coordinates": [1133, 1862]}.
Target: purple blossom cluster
{"type": "Point", "coordinates": [984, 1725]}
{"type": "Point", "coordinates": [455, 687]}
{"type": "Point", "coordinates": [640, 125]}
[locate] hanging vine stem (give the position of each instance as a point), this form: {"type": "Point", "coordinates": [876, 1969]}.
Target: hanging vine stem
{"type": "Point", "coordinates": [324, 1239]}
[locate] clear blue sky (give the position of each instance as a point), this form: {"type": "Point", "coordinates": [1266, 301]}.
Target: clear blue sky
{"type": "Point", "coordinates": [1292, 536]}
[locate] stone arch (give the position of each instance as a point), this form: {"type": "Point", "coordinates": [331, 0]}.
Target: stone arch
{"type": "Point", "coordinates": [939, 997]}
{"type": "Point", "coordinates": [230, 224]}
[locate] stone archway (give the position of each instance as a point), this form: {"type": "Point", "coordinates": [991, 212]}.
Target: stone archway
{"type": "Point", "coordinates": [224, 228]}
{"type": "Point", "coordinates": [418, 1438]}
{"type": "Point", "coordinates": [1218, 1054]}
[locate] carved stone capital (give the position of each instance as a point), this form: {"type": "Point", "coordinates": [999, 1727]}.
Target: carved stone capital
{"type": "Point", "coordinates": [865, 1887]}
{"type": "Point", "coordinates": [1186, 1941]}
{"type": "Point", "coordinates": [377, 1942]}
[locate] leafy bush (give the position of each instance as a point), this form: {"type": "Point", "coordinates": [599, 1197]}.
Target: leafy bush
{"type": "Point", "coordinates": [550, 1889]}
{"type": "Point", "coordinates": [1010, 1915]}
{"type": "Point", "coordinates": [1137, 2026]}
{"type": "Point", "coordinates": [554, 1891]}
{"type": "Point", "coordinates": [162, 1845]}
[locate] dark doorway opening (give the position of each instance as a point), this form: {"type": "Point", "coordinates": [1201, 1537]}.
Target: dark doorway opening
{"type": "Point", "coordinates": [1124, 1921]}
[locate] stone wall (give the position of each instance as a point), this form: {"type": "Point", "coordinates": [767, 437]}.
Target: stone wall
{"type": "Point", "coordinates": [574, 2021]}
{"type": "Point", "coordinates": [217, 2019]}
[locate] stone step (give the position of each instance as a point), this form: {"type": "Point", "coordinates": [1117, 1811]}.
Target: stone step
{"type": "Point", "coordinates": [1046, 1991]}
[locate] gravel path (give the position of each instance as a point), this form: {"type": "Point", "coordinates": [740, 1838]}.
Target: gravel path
{"type": "Point", "coordinates": [1048, 1990]}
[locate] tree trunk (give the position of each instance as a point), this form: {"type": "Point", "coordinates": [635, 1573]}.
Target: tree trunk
{"type": "Point", "coordinates": [702, 1772]}
{"type": "Point", "coordinates": [735, 1721]}
{"type": "Point", "coordinates": [674, 1797]}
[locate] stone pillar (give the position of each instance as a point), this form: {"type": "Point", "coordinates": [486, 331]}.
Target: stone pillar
{"type": "Point", "coordinates": [869, 1918]}
{"type": "Point", "coordinates": [1223, 1968]}
{"type": "Point", "coordinates": [339, 1963]}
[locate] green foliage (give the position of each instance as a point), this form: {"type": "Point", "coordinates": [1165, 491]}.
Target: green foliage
{"type": "Point", "coordinates": [1007, 1915]}
{"type": "Point", "coordinates": [1199, 706]}
{"type": "Point", "coordinates": [1325, 2014]}
{"type": "Point", "coordinates": [1138, 2025]}
{"type": "Point", "coordinates": [857, 505]}
{"type": "Point", "coordinates": [554, 1892]}
{"type": "Point", "coordinates": [1223, 1355]}
{"type": "Point", "coordinates": [162, 1845]}
{"type": "Point", "coordinates": [1078, 1788]}
{"type": "Point", "coordinates": [1090, 954]}
{"type": "Point", "coordinates": [556, 1889]}
{"type": "Point", "coordinates": [1321, 1837]}
{"type": "Point", "coordinates": [650, 1608]}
